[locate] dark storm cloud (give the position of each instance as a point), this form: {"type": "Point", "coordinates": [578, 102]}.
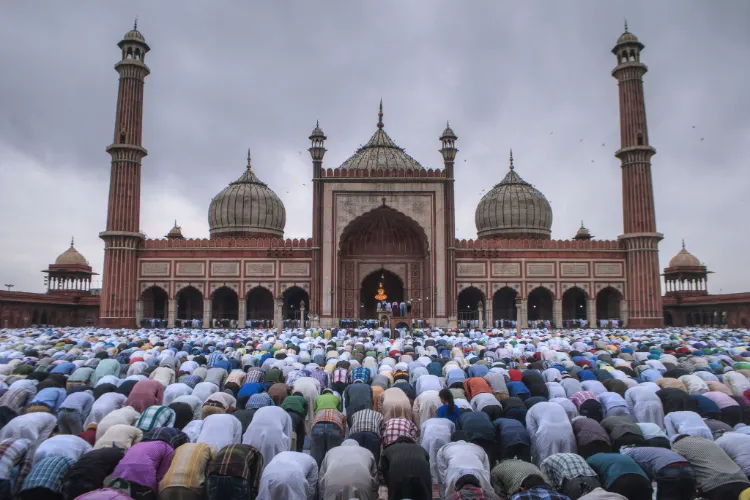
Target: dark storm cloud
{"type": "Point", "coordinates": [534, 77]}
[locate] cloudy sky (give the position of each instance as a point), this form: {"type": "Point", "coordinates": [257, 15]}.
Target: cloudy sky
{"type": "Point", "coordinates": [532, 76]}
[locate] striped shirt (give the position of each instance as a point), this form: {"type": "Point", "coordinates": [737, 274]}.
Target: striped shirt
{"type": "Point", "coordinates": [581, 397]}
{"type": "Point", "coordinates": [561, 466]}
{"type": "Point", "coordinates": [712, 466]}
{"type": "Point", "coordinates": [238, 460]}
{"type": "Point", "coordinates": [399, 427]}
{"type": "Point", "coordinates": [12, 452]}
{"type": "Point", "coordinates": [188, 467]}
{"type": "Point", "coordinates": [16, 399]}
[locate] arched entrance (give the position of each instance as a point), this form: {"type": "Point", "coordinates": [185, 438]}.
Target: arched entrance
{"type": "Point", "coordinates": [388, 239]}
{"type": "Point", "coordinates": [225, 305]}
{"type": "Point", "coordinates": [43, 320]}
{"type": "Point", "coordinates": [504, 307]}
{"type": "Point", "coordinates": [668, 321]}
{"type": "Point", "coordinates": [189, 304]}
{"type": "Point", "coordinates": [155, 303]}
{"type": "Point", "coordinates": [608, 305]}
{"type": "Point", "coordinates": [259, 304]}
{"type": "Point", "coordinates": [393, 289]}
{"type": "Point", "coordinates": [291, 309]}
{"type": "Point", "coordinates": [573, 307]}
{"type": "Point", "coordinates": [540, 305]}
{"type": "Point", "coordinates": [469, 300]}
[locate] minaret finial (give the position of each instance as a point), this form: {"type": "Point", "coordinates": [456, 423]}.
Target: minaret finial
{"type": "Point", "coordinates": [626, 25]}
{"type": "Point", "coordinates": [683, 243]}
{"type": "Point", "coordinates": [380, 115]}
{"type": "Point", "coordinates": [249, 159]}
{"type": "Point", "coordinates": [511, 159]}
{"type": "Point", "coordinates": [72, 240]}
{"type": "Point", "coordinates": [582, 223]}
{"type": "Point", "coordinates": [135, 23]}
{"type": "Point", "coordinates": [175, 223]}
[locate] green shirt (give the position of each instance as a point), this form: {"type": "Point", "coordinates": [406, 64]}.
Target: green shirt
{"type": "Point", "coordinates": [327, 401]}
{"type": "Point", "coordinates": [294, 403]}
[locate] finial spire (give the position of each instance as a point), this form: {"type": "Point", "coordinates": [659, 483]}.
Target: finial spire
{"type": "Point", "coordinates": [683, 243]}
{"type": "Point", "coordinates": [135, 23]}
{"type": "Point", "coordinates": [582, 223]}
{"type": "Point", "coordinates": [380, 115]}
{"type": "Point", "coordinates": [249, 159]}
{"type": "Point", "coordinates": [626, 25]}
{"type": "Point", "coordinates": [175, 223]}
{"type": "Point", "coordinates": [511, 159]}
{"type": "Point", "coordinates": [72, 240]}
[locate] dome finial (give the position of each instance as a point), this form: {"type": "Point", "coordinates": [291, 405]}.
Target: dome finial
{"type": "Point", "coordinates": [249, 160]}
{"type": "Point", "coordinates": [582, 223]}
{"type": "Point", "coordinates": [135, 23]}
{"type": "Point", "coordinates": [511, 159]}
{"type": "Point", "coordinates": [72, 241]}
{"type": "Point", "coordinates": [380, 115]}
{"type": "Point", "coordinates": [683, 243]}
{"type": "Point", "coordinates": [626, 25]}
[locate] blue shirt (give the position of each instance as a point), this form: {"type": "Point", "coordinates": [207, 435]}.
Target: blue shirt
{"type": "Point", "coordinates": [444, 412]}
{"type": "Point", "coordinates": [51, 396]}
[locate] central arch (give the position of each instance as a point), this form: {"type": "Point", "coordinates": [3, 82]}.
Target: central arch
{"type": "Point", "coordinates": [189, 304]}
{"type": "Point", "coordinates": [608, 304]}
{"type": "Point", "coordinates": [259, 304]}
{"type": "Point", "coordinates": [383, 238]}
{"type": "Point", "coordinates": [155, 303]}
{"type": "Point", "coordinates": [573, 306]}
{"type": "Point", "coordinates": [540, 305]}
{"type": "Point", "coordinates": [504, 306]}
{"type": "Point", "coordinates": [393, 287]}
{"type": "Point", "coordinates": [225, 304]}
{"type": "Point", "coordinates": [293, 298]}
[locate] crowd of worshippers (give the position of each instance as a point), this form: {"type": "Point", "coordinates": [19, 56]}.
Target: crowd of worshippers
{"type": "Point", "coordinates": [97, 414]}
{"type": "Point", "coordinates": [396, 308]}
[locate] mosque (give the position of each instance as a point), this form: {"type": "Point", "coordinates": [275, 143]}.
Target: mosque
{"type": "Point", "coordinates": [383, 231]}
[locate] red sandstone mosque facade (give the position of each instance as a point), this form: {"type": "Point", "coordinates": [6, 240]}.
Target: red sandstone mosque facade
{"type": "Point", "coordinates": [381, 221]}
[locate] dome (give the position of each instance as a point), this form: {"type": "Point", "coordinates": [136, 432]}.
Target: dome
{"type": "Point", "coordinates": [514, 209]}
{"type": "Point", "coordinates": [583, 233]}
{"type": "Point", "coordinates": [247, 207]}
{"type": "Point", "coordinates": [134, 34]}
{"type": "Point", "coordinates": [71, 257]}
{"type": "Point", "coordinates": [684, 259]}
{"type": "Point", "coordinates": [627, 37]}
{"type": "Point", "coordinates": [381, 152]}
{"type": "Point", "coordinates": [175, 232]}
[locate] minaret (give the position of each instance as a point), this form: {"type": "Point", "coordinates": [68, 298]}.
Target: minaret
{"type": "Point", "coordinates": [639, 236]}
{"type": "Point", "coordinates": [122, 237]}
{"type": "Point", "coordinates": [317, 152]}
{"type": "Point", "coordinates": [448, 150]}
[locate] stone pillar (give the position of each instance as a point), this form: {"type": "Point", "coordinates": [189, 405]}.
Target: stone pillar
{"type": "Point", "coordinates": [172, 313]}
{"type": "Point", "coordinates": [480, 310]}
{"type": "Point", "coordinates": [207, 310]}
{"type": "Point", "coordinates": [302, 315]}
{"type": "Point", "coordinates": [522, 313]}
{"type": "Point", "coordinates": [242, 312]}
{"type": "Point", "coordinates": [490, 317]}
{"type": "Point", "coordinates": [138, 313]}
{"type": "Point", "coordinates": [557, 313]}
{"type": "Point", "coordinates": [624, 313]}
{"type": "Point", "coordinates": [591, 312]}
{"type": "Point", "coordinates": [277, 305]}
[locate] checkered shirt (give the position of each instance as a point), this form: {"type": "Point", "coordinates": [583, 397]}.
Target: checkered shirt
{"type": "Point", "coordinates": [12, 452]}
{"type": "Point", "coordinates": [339, 375]}
{"type": "Point", "coordinates": [190, 380]}
{"type": "Point", "coordinates": [360, 373]}
{"type": "Point", "coordinates": [581, 397]}
{"type": "Point", "coordinates": [561, 466]}
{"type": "Point", "coordinates": [508, 475]}
{"type": "Point", "coordinates": [259, 401]}
{"type": "Point", "coordinates": [214, 358]}
{"type": "Point", "coordinates": [398, 427]}
{"type": "Point", "coordinates": [156, 416]}
{"type": "Point", "coordinates": [48, 473]}
{"type": "Point", "coordinates": [173, 437]}
{"type": "Point", "coordinates": [366, 421]}
{"type": "Point", "coordinates": [255, 375]}
{"type": "Point", "coordinates": [330, 416]}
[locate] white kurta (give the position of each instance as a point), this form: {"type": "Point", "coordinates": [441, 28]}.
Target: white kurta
{"type": "Point", "coordinates": [435, 433]}
{"type": "Point", "coordinates": [220, 430]}
{"type": "Point", "coordinates": [550, 431]}
{"type": "Point", "coordinates": [270, 432]}
{"type": "Point", "coordinates": [459, 458]}
{"type": "Point", "coordinates": [291, 476]}
{"type": "Point", "coordinates": [425, 406]}
{"type": "Point", "coordinates": [645, 405]}
{"type": "Point", "coordinates": [348, 471]}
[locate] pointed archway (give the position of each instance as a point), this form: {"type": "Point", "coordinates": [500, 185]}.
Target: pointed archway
{"type": "Point", "coordinates": [504, 307]}
{"type": "Point", "coordinates": [469, 311]}
{"type": "Point", "coordinates": [573, 307]}
{"type": "Point", "coordinates": [294, 298]}
{"type": "Point", "coordinates": [393, 290]}
{"type": "Point", "coordinates": [155, 303]}
{"type": "Point", "coordinates": [189, 304]}
{"type": "Point", "coordinates": [608, 304]}
{"type": "Point", "coordinates": [259, 304]}
{"type": "Point", "coordinates": [225, 304]}
{"type": "Point", "coordinates": [540, 305]}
